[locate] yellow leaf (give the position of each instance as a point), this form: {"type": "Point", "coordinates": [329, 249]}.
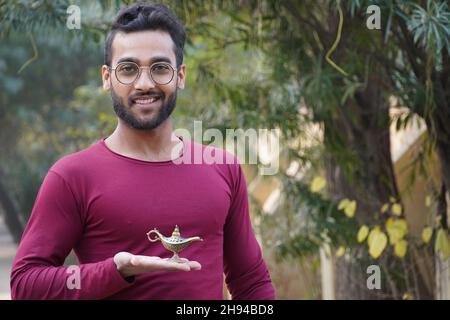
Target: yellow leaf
{"type": "Point", "coordinates": [385, 208]}
{"type": "Point", "coordinates": [396, 209]}
{"type": "Point", "coordinates": [318, 184]}
{"type": "Point", "coordinates": [395, 235]}
{"type": "Point", "coordinates": [378, 244]}
{"type": "Point", "coordinates": [401, 223]}
{"type": "Point", "coordinates": [372, 233]}
{"type": "Point", "coordinates": [428, 201]}
{"type": "Point", "coordinates": [392, 199]}
{"type": "Point", "coordinates": [397, 230]}
{"type": "Point", "coordinates": [442, 243]}
{"type": "Point", "coordinates": [389, 222]}
{"type": "Point", "coordinates": [343, 204]}
{"type": "Point", "coordinates": [426, 234]}
{"type": "Point", "coordinates": [408, 296]}
{"type": "Point", "coordinates": [362, 233]}
{"type": "Point", "coordinates": [400, 248]}
{"type": "Point", "coordinates": [340, 252]}
{"type": "Point", "coordinates": [350, 209]}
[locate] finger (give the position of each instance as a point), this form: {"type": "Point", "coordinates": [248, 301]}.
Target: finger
{"type": "Point", "coordinates": [194, 265]}
{"type": "Point", "coordinates": [139, 260]}
{"type": "Point", "coordinates": [156, 263]}
{"type": "Point", "coordinates": [175, 266]}
{"type": "Point", "coordinates": [123, 257]}
{"type": "Point", "coordinates": [145, 262]}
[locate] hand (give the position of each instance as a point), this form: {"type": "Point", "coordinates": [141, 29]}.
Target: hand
{"type": "Point", "coordinates": [130, 265]}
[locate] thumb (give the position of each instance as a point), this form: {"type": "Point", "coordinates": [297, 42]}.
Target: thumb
{"type": "Point", "coordinates": [123, 258]}
{"type": "Point", "coordinates": [134, 260]}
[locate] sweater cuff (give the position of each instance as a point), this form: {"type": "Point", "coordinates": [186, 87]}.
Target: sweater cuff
{"type": "Point", "coordinates": [118, 282]}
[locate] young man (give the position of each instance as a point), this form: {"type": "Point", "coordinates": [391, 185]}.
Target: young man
{"type": "Point", "coordinates": [103, 200]}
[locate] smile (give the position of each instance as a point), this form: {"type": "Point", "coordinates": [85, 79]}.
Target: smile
{"type": "Point", "coordinates": [146, 101]}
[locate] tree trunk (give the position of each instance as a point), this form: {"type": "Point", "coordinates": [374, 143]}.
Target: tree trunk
{"type": "Point", "coordinates": [12, 216]}
{"type": "Point", "coordinates": [365, 127]}
{"type": "Point", "coordinates": [363, 123]}
{"type": "Point", "coordinates": [438, 125]}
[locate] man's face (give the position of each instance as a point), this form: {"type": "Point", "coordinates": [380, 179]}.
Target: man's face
{"type": "Point", "coordinates": [143, 104]}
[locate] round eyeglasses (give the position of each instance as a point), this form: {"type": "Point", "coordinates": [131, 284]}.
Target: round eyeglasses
{"type": "Point", "coordinates": [128, 72]}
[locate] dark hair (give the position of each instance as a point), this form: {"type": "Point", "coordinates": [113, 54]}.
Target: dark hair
{"type": "Point", "coordinates": [147, 16]}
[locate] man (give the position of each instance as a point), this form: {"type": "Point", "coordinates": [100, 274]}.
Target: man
{"type": "Point", "coordinates": [102, 201]}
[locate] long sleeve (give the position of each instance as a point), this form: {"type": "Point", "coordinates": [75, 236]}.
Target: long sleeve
{"type": "Point", "coordinates": [55, 226]}
{"type": "Point", "coordinates": [246, 273]}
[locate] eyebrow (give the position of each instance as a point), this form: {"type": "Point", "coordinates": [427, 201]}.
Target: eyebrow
{"type": "Point", "coordinates": [151, 61]}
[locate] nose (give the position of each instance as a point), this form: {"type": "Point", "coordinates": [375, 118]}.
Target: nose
{"type": "Point", "coordinates": [144, 81]}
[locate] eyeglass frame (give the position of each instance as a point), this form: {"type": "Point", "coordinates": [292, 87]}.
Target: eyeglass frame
{"type": "Point", "coordinates": [140, 72]}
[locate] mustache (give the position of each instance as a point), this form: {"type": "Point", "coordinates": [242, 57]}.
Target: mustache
{"type": "Point", "coordinates": [147, 94]}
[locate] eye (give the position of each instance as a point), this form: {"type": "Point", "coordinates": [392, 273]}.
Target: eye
{"type": "Point", "coordinates": [161, 68]}
{"type": "Point", "coordinates": [128, 68]}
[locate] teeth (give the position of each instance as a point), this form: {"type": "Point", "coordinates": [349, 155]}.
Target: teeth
{"type": "Point", "coordinates": [145, 101]}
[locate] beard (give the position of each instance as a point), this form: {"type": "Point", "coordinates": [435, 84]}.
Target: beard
{"type": "Point", "coordinates": [123, 112]}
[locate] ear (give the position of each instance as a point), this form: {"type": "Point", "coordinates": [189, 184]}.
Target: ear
{"type": "Point", "coordinates": [181, 73]}
{"type": "Point", "coordinates": [106, 78]}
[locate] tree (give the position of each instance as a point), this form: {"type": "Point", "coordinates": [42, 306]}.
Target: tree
{"type": "Point", "coordinates": [345, 75]}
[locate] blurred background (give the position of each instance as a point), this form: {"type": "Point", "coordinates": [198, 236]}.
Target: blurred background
{"type": "Point", "coordinates": [359, 92]}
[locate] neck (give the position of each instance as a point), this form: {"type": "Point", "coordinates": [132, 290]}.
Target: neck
{"type": "Point", "coordinates": [149, 145]}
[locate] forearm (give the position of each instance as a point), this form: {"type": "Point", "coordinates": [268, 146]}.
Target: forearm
{"type": "Point", "coordinates": [253, 285]}
{"type": "Point", "coordinates": [89, 281]}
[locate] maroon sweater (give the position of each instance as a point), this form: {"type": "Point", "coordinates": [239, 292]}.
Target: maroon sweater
{"type": "Point", "coordinates": [98, 203]}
